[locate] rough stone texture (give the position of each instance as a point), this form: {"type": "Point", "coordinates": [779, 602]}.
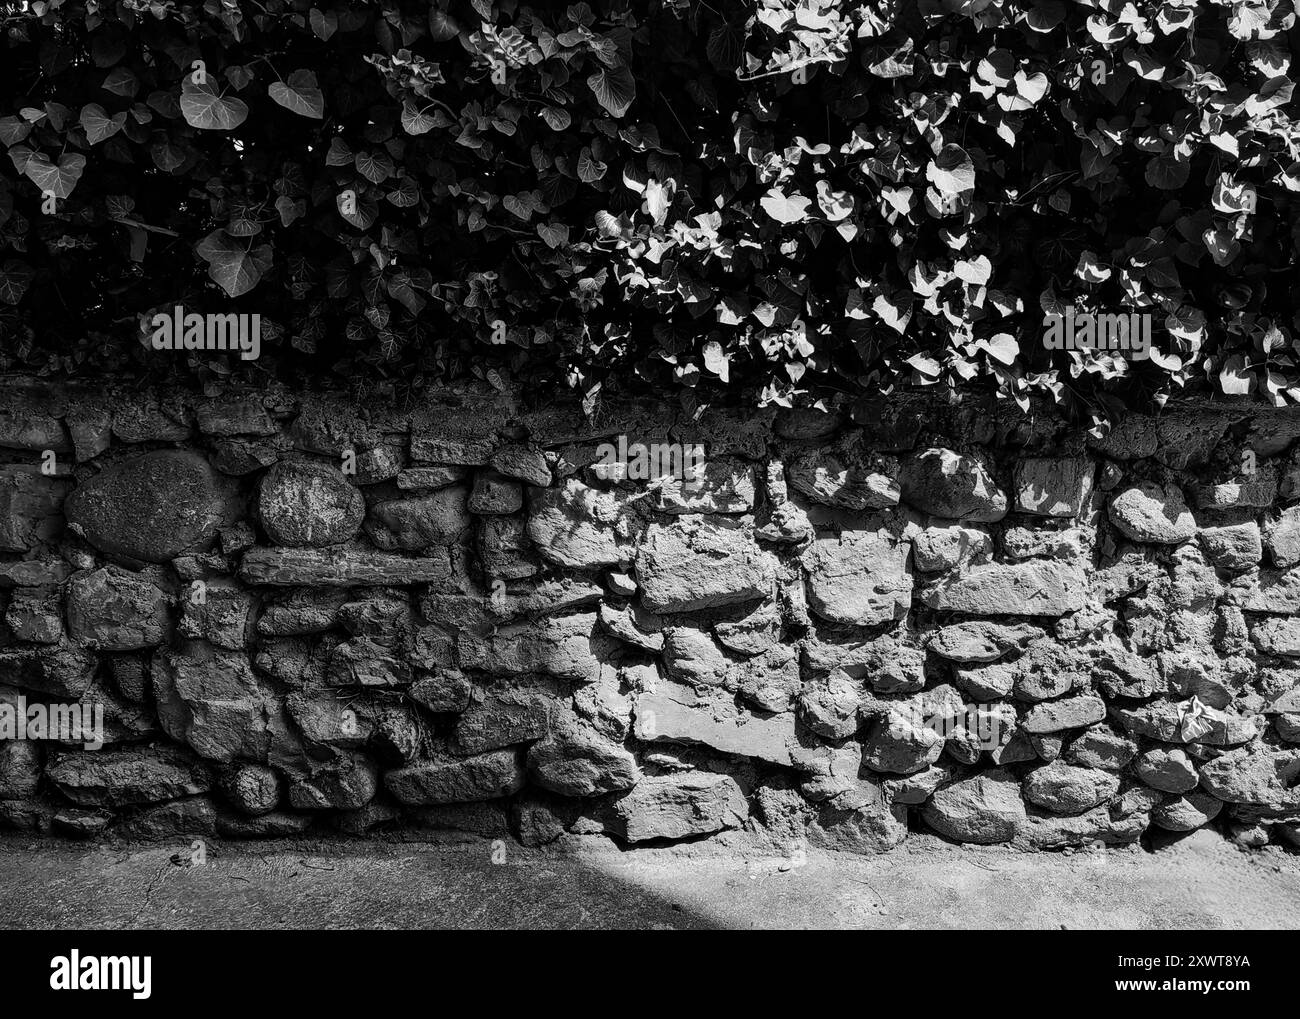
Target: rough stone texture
{"type": "Point", "coordinates": [1052, 487]}
{"type": "Point", "coordinates": [308, 504]}
{"type": "Point", "coordinates": [420, 522]}
{"type": "Point", "coordinates": [1233, 547]}
{"type": "Point", "coordinates": [1168, 769]}
{"type": "Point", "coordinates": [1153, 513]}
{"type": "Point", "coordinates": [945, 547]}
{"type": "Point", "coordinates": [151, 508]}
{"type": "Point", "coordinates": [117, 778]}
{"type": "Point", "coordinates": [697, 564]}
{"type": "Point", "coordinates": [680, 713]}
{"type": "Point", "coordinates": [482, 777]}
{"type": "Point", "coordinates": [984, 809]}
{"type": "Point", "coordinates": [947, 484]}
{"type": "Point", "coordinates": [678, 806]}
{"type": "Point", "coordinates": [29, 507]}
{"type": "Point", "coordinates": [834, 626]}
{"type": "Point", "coordinates": [115, 610]}
{"type": "Point", "coordinates": [981, 641]}
{"type": "Point", "coordinates": [344, 567]}
{"type": "Point", "coordinates": [1065, 789]}
{"type": "Point", "coordinates": [1034, 587]}
{"type": "Point", "coordinates": [859, 577]}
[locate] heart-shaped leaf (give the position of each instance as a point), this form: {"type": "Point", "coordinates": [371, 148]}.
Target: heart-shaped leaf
{"type": "Point", "coordinates": [99, 126]}
{"type": "Point", "coordinates": [204, 108]}
{"type": "Point", "coordinates": [56, 180]}
{"type": "Point", "coordinates": [15, 278]}
{"type": "Point", "coordinates": [952, 172]}
{"type": "Point", "coordinates": [784, 208]}
{"type": "Point", "coordinates": [122, 82]}
{"type": "Point", "coordinates": [300, 94]}
{"type": "Point", "coordinates": [232, 266]}
{"type": "Point", "coordinates": [614, 88]}
{"type": "Point", "coordinates": [376, 167]}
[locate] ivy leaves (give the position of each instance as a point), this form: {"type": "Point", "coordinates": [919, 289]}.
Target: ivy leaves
{"type": "Point", "coordinates": [233, 265]}
{"type": "Point", "coordinates": [300, 94]}
{"type": "Point", "coordinates": [208, 110]}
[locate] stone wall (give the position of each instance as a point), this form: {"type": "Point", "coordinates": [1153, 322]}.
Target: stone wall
{"type": "Point", "coordinates": [303, 612]}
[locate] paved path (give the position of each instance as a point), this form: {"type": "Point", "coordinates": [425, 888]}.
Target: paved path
{"type": "Point", "coordinates": [1199, 882]}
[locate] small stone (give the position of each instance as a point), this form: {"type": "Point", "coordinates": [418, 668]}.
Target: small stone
{"type": "Point", "coordinates": [633, 626]}
{"type": "Point", "coordinates": [195, 815]}
{"type": "Point", "coordinates": [945, 547]}
{"type": "Point", "coordinates": [274, 825]}
{"type": "Point", "coordinates": [308, 504]}
{"type": "Point", "coordinates": [420, 522]}
{"type": "Point", "coordinates": [1024, 543]}
{"type": "Point", "coordinates": [253, 788]}
{"type": "Point", "coordinates": [682, 713]}
{"type": "Point", "coordinates": [233, 414]}
{"type": "Point", "coordinates": [578, 526]}
{"type": "Point", "coordinates": [347, 566]}
{"type": "Point", "coordinates": [1101, 748]}
{"type": "Point", "coordinates": [1282, 538]}
{"type": "Point", "coordinates": [503, 715]}
{"type": "Point", "coordinates": [1133, 437]}
{"type": "Point", "coordinates": [981, 640]}
{"type": "Point", "coordinates": [1067, 713]}
{"type": "Point", "coordinates": [524, 463]}
{"type": "Point", "coordinates": [621, 584]}
{"type": "Point", "coordinates": [952, 486]}
{"type": "Point", "coordinates": [678, 806]}
{"type": "Point", "coordinates": [845, 480]}
{"type": "Point", "coordinates": [1153, 513]}
{"type": "Point", "coordinates": [505, 549]}
{"type": "Point", "coordinates": [435, 476]}
{"type": "Point", "coordinates": [1186, 813]}
{"type": "Point", "coordinates": [897, 745]}
{"type": "Point", "coordinates": [33, 615]}
{"type": "Point", "coordinates": [116, 778]}
{"type": "Point", "coordinates": [1257, 776]}
{"type": "Point", "coordinates": [223, 614]}
{"type": "Point", "coordinates": [984, 809]}
{"type": "Point", "coordinates": [1233, 547]}
{"type": "Point", "coordinates": [1065, 789]}
{"type": "Point", "coordinates": [858, 577]}
{"type": "Point", "coordinates": [115, 610]}
{"type": "Point", "coordinates": [1034, 587]}
{"type": "Point", "coordinates": [573, 759]}
{"type": "Point", "coordinates": [1053, 486]}
{"type": "Point", "coordinates": [1169, 770]}
{"type": "Point", "coordinates": [30, 505]}
{"type": "Point", "coordinates": [829, 706]}
{"type": "Point", "coordinates": [495, 493]}
{"type": "Point", "coordinates": [693, 564]}
{"type": "Point", "coordinates": [486, 776]}
{"type": "Point", "coordinates": [1259, 491]}
{"type": "Point", "coordinates": [348, 782]}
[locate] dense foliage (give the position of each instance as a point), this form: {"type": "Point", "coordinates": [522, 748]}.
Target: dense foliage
{"type": "Point", "coordinates": [771, 202]}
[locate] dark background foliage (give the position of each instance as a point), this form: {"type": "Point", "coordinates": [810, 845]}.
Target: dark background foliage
{"type": "Point", "coordinates": [768, 203]}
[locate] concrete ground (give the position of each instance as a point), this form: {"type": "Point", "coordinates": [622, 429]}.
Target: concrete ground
{"type": "Point", "coordinates": [1199, 882]}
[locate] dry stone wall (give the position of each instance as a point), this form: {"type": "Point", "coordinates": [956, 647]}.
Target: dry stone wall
{"type": "Point", "coordinates": [311, 613]}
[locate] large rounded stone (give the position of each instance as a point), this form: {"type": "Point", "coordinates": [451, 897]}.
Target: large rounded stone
{"type": "Point", "coordinates": [1155, 513]}
{"type": "Point", "coordinates": [984, 809]}
{"type": "Point", "coordinates": [305, 504]}
{"type": "Point", "coordinates": [946, 484]}
{"type": "Point", "coordinates": [1065, 789]}
{"type": "Point", "coordinates": [152, 508]}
